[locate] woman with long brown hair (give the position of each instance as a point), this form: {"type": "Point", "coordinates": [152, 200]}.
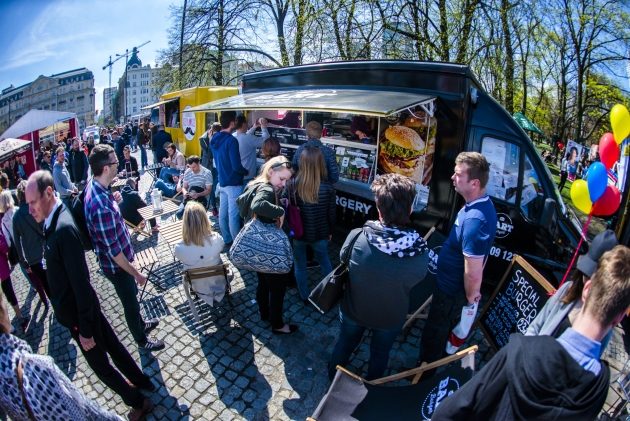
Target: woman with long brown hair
{"type": "Point", "coordinates": [315, 197]}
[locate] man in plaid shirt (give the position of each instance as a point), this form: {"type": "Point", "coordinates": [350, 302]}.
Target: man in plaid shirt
{"type": "Point", "coordinates": [112, 243]}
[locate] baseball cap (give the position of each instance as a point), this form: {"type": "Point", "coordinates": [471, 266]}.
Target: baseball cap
{"type": "Point", "coordinates": [603, 242]}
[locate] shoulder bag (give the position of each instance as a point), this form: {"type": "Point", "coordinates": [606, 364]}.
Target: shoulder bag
{"type": "Point", "coordinates": [261, 247]}
{"type": "Point", "coordinates": [330, 289]}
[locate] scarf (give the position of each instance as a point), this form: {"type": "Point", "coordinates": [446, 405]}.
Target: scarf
{"type": "Point", "coordinates": [394, 241]}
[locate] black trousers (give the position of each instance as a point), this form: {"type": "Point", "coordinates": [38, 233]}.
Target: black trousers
{"type": "Point", "coordinates": [40, 281]}
{"type": "Point", "coordinates": [445, 312]}
{"type": "Point", "coordinates": [270, 297]}
{"type": "Point", "coordinates": [107, 344]}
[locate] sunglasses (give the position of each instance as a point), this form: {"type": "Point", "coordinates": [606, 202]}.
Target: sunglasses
{"type": "Point", "coordinates": [279, 164]}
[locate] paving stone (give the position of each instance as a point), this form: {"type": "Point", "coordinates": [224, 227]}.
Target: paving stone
{"type": "Point", "coordinates": [223, 368]}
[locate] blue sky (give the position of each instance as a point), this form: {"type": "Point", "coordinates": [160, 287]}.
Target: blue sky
{"type": "Point", "coordinates": [43, 37]}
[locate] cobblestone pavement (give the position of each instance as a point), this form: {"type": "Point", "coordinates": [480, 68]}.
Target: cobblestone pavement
{"type": "Point", "coordinates": [229, 366]}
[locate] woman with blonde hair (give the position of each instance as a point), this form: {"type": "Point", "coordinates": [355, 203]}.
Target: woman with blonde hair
{"type": "Point", "coordinates": [201, 247]}
{"type": "Point", "coordinates": [315, 197]}
{"type": "Point", "coordinates": [7, 209]}
{"type": "Point", "coordinates": [260, 199]}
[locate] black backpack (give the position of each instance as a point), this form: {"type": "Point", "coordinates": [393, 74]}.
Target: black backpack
{"type": "Point", "coordinates": [78, 214]}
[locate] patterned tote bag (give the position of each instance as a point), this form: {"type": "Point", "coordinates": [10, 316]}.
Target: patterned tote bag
{"type": "Point", "coordinates": [261, 247]}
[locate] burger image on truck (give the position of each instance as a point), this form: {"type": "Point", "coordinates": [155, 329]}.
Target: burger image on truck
{"type": "Point", "coordinates": [401, 150]}
{"type": "Point", "coordinates": [422, 115]}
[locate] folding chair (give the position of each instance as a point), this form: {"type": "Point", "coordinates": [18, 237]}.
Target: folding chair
{"type": "Point", "coordinates": [192, 275]}
{"type": "Point", "coordinates": [621, 387]}
{"type": "Point", "coordinates": [350, 397]}
{"type": "Point", "coordinates": [137, 229]}
{"type": "Point", "coordinates": [146, 259]}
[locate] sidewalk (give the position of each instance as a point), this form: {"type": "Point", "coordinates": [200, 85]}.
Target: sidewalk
{"type": "Point", "coordinates": [230, 366]}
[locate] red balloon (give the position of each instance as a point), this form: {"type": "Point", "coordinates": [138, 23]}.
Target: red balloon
{"type": "Point", "coordinates": [608, 203]}
{"type": "Point", "coordinates": [608, 150]}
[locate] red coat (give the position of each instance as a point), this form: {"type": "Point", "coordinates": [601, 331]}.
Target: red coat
{"type": "Point", "coordinates": [5, 268]}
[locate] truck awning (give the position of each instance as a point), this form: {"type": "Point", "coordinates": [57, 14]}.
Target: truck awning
{"type": "Point", "coordinates": [157, 104]}
{"type": "Point", "coordinates": [355, 101]}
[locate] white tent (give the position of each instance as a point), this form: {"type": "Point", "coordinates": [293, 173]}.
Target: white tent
{"type": "Point", "coordinates": [36, 120]}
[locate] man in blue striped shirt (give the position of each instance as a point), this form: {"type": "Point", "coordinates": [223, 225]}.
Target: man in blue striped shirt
{"type": "Point", "coordinates": [112, 243]}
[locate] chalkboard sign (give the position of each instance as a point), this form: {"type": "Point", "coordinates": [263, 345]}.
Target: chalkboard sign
{"type": "Point", "coordinates": [516, 301]}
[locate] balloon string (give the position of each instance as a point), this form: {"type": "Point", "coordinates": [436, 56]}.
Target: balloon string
{"type": "Point", "coordinates": [577, 250]}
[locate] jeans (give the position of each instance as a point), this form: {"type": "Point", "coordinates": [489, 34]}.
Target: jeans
{"type": "Point", "coordinates": [167, 189]}
{"type": "Point", "coordinates": [350, 335]}
{"type": "Point", "coordinates": [443, 316]}
{"type": "Point", "coordinates": [167, 174]}
{"type": "Point", "coordinates": [229, 218]}
{"type": "Point", "coordinates": [126, 289]}
{"type": "Point", "coordinates": [320, 248]}
{"type": "Point", "coordinates": [213, 192]}
{"type": "Point", "coordinates": [143, 157]}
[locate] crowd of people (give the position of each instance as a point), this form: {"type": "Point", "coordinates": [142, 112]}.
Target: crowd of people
{"type": "Point", "coordinates": [61, 204]}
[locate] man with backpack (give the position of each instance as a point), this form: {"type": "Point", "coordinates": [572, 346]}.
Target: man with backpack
{"type": "Point", "coordinates": [112, 243]}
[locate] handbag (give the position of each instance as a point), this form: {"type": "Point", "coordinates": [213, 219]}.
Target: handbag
{"type": "Point", "coordinates": [294, 215]}
{"type": "Point", "coordinates": [330, 289]}
{"type": "Point", "coordinates": [460, 332]}
{"type": "Point", "coordinates": [261, 247]}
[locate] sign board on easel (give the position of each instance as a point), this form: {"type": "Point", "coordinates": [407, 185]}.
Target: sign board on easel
{"type": "Point", "coordinates": [516, 301]}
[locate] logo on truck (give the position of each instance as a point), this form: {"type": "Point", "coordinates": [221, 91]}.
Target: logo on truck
{"type": "Point", "coordinates": [504, 225]}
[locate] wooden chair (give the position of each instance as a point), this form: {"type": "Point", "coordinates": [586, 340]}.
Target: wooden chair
{"type": "Point", "coordinates": [191, 275]}
{"type": "Point", "coordinates": [146, 259]}
{"type": "Point", "coordinates": [352, 397]}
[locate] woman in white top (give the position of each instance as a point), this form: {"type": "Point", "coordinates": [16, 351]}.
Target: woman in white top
{"type": "Point", "coordinates": [7, 208]}
{"type": "Point", "coordinates": [200, 247]}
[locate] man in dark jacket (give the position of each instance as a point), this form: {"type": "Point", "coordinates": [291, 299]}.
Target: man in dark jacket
{"type": "Point", "coordinates": [227, 159]}
{"type": "Point", "coordinates": [28, 235]}
{"type": "Point", "coordinates": [69, 279]}
{"type": "Point", "coordinates": [314, 133]}
{"type": "Point", "coordinates": [78, 163]}
{"type": "Point", "coordinates": [160, 140]}
{"type": "Point", "coordinates": [539, 377]}
{"type": "Point", "coordinates": [131, 202]}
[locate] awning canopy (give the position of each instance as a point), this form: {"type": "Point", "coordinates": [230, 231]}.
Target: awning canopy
{"type": "Point", "coordinates": [157, 104]}
{"type": "Point", "coordinates": [36, 120]}
{"type": "Point", "coordinates": [11, 147]}
{"type": "Point", "coordinates": [526, 123]}
{"type": "Point", "coordinates": [355, 101]}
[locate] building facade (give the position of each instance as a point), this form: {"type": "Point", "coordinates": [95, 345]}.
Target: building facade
{"type": "Point", "coordinates": [140, 90]}
{"type": "Point", "coordinates": [71, 91]}
{"type": "Point", "coordinates": [109, 96]}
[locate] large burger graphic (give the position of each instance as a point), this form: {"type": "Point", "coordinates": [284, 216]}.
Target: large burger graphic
{"type": "Point", "coordinates": [401, 151]}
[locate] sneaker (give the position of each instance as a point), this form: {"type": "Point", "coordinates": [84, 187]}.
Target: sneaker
{"type": "Point", "coordinates": [151, 324]}
{"type": "Point", "coordinates": [137, 414]}
{"type": "Point", "coordinates": [152, 344]}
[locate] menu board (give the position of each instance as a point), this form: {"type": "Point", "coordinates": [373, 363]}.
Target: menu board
{"type": "Point", "coordinates": [518, 298]}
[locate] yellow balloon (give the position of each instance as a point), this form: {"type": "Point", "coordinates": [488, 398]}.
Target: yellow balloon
{"type": "Point", "coordinates": [620, 122]}
{"type": "Point", "coordinates": [580, 196]}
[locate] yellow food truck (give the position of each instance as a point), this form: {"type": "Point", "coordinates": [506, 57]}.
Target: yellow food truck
{"type": "Point", "coordinates": [186, 126]}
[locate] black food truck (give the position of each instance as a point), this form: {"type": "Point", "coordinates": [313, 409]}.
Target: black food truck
{"type": "Point", "coordinates": [413, 118]}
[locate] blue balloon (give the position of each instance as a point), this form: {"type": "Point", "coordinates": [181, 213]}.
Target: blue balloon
{"type": "Point", "coordinates": [597, 179]}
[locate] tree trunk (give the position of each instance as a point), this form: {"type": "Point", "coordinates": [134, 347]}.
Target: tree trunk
{"type": "Point", "coordinates": [444, 44]}
{"type": "Point", "coordinates": [509, 57]}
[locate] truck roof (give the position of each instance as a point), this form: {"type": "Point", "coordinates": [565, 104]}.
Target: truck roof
{"type": "Point", "coordinates": [371, 74]}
